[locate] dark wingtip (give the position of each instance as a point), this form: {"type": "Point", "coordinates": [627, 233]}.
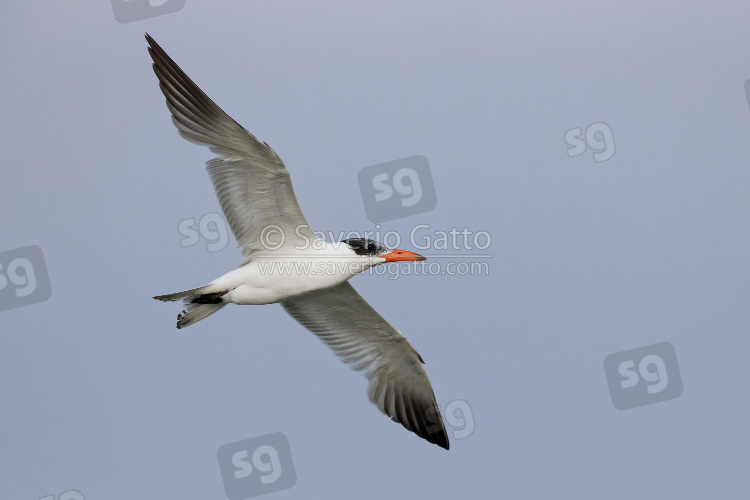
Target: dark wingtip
{"type": "Point", "coordinates": [444, 443]}
{"type": "Point", "coordinates": [435, 431]}
{"type": "Point", "coordinates": [440, 439]}
{"type": "Point", "coordinates": [152, 45]}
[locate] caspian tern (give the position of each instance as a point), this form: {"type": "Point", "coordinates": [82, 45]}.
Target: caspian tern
{"type": "Point", "coordinates": [290, 265]}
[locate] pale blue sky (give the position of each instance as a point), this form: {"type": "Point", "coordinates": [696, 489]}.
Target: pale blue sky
{"type": "Point", "coordinates": [102, 394]}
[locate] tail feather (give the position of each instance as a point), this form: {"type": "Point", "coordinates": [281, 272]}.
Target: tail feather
{"type": "Point", "coordinates": [187, 294]}
{"type": "Point", "coordinates": [199, 303]}
{"type": "Point", "coordinates": [195, 312]}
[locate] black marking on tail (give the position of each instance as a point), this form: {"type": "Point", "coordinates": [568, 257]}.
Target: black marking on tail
{"type": "Point", "coordinates": [209, 298]}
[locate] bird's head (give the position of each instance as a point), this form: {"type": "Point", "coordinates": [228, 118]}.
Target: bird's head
{"type": "Point", "coordinates": [381, 254]}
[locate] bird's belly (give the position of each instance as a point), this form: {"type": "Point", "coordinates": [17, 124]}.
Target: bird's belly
{"type": "Point", "coordinates": [252, 295]}
{"type": "Point", "coordinates": [255, 284]}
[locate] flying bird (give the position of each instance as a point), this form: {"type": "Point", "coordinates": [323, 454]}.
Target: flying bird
{"type": "Point", "coordinates": [284, 262]}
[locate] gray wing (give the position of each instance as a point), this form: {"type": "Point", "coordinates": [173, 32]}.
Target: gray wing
{"type": "Point", "coordinates": [361, 337]}
{"type": "Point", "coordinates": [251, 182]}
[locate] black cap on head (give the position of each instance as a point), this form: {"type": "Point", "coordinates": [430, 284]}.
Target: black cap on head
{"type": "Point", "coordinates": [364, 246]}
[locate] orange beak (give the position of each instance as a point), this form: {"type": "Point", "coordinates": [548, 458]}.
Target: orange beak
{"type": "Point", "coordinates": [402, 255]}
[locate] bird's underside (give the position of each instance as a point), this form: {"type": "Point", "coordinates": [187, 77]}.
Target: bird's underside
{"type": "Point", "coordinates": [255, 192]}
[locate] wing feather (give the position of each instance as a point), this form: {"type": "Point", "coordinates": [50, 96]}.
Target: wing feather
{"type": "Point", "coordinates": [251, 182]}
{"type": "Point", "coordinates": [398, 384]}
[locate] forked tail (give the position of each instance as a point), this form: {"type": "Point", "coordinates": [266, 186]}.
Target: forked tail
{"type": "Point", "coordinates": [199, 303]}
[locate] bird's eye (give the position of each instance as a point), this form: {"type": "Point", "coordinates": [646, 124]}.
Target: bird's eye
{"type": "Point", "coordinates": [370, 246]}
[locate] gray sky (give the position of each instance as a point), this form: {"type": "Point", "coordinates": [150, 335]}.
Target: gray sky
{"type": "Point", "coordinates": [101, 394]}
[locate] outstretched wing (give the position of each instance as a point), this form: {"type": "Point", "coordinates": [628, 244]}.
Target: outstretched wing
{"type": "Point", "coordinates": [251, 182]}
{"type": "Point", "coordinates": [361, 337]}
